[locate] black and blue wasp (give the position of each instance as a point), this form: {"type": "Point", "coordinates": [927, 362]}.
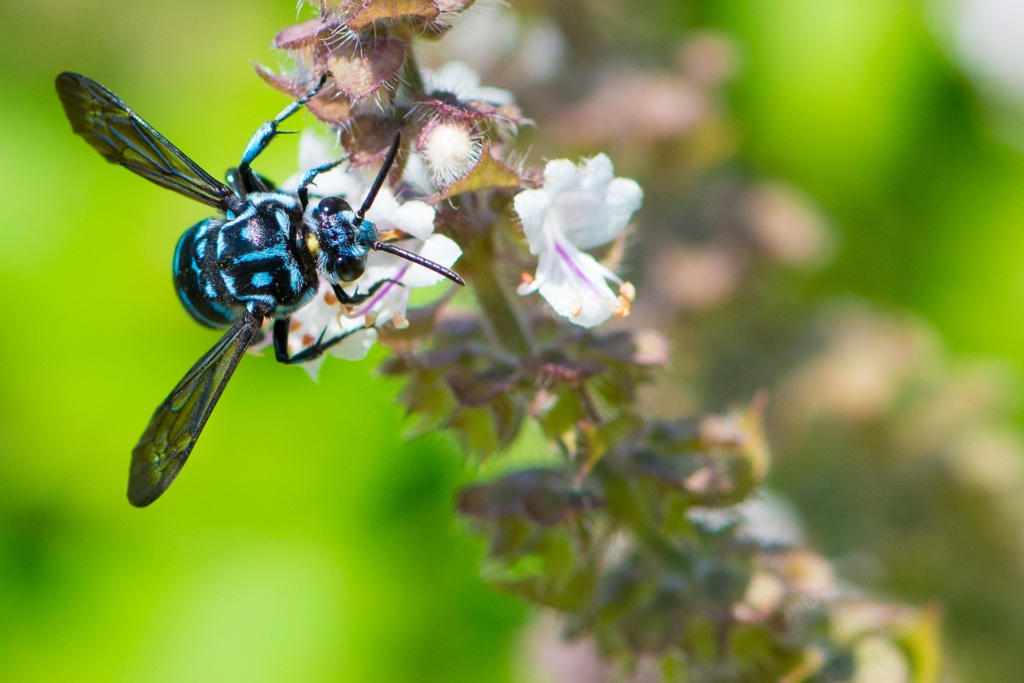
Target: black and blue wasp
{"type": "Point", "coordinates": [262, 259]}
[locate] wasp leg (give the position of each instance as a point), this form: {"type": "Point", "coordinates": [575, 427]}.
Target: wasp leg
{"type": "Point", "coordinates": [265, 133]}
{"type": "Point", "coordinates": [242, 187]}
{"type": "Point", "coordinates": [308, 178]}
{"type": "Point", "coordinates": [355, 299]}
{"type": "Point", "coordinates": [307, 354]}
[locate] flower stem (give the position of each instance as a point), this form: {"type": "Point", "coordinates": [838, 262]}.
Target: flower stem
{"type": "Point", "coordinates": [491, 293]}
{"type": "Point", "coordinates": [411, 74]}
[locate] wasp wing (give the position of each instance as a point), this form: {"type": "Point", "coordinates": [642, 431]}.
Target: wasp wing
{"type": "Point", "coordinates": [122, 137]}
{"type": "Point", "coordinates": [177, 423]}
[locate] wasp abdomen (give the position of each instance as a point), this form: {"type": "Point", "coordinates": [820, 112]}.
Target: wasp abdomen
{"type": "Point", "coordinates": [223, 266]}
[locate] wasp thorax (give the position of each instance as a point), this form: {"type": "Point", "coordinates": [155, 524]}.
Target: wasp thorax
{"type": "Point", "coordinates": [344, 239]}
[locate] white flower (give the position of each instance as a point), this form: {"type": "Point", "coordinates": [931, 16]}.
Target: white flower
{"type": "Point", "coordinates": [459, 79]}
{"type": "Point", "coordinates": [389, 302]}
{"type": "Point", "coordinates": [450, 150]}
{"type": "Point", "coordinates": [320, 320]}
{"type": "Point", "coordinates": [578, 207]}
{"type": "Point", "coordinates": [321, 316]}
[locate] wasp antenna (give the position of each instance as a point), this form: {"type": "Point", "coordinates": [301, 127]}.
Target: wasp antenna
{"type": "Point", "coordinates": [416, 258]}
{"type": "Point", "coordinates": [379, 181]}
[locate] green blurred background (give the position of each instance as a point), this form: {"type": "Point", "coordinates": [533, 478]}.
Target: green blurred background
{"type": "Point", "coordinates": [306, 541]}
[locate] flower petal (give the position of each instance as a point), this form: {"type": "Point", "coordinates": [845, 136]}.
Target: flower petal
{"type": "Point", "coordinates": [439, 249]}
{"type": "Point", "coordinates": [574, 284]}
{"type": "Point", "coordinates": [561, 175]}
{"type": "Point", "coordinates": [597, 173]}
{"type": "Point", "coordinates": [582, 218]}
{"type": "Point", "coordinates": [624, 198]}
{"type": "Point", "coordinates": [356, 345]}
{"type": "Point", "coordinates": [415, 218]}
{"type": "Point", "coordinates": [462, 81]}
{"type": "Point", "coordinates": [353, 347]}
{"type": "Point", "coordinates": [532, 207]}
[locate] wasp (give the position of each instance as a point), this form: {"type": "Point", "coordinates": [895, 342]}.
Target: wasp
{"type": "Point", "coordinates": [260, 259]}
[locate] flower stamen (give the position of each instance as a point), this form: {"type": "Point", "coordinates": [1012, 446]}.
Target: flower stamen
{"type": "Point", "coordinates": [627, 290]}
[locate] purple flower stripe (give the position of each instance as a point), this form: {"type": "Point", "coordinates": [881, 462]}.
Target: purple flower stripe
{"type": "Point", "coordinates": [560, 250]}
{"type": "Point", "coordinates": [381, 293]}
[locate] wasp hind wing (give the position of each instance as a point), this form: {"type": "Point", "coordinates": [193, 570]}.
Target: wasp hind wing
{"type": "Point", "coordinates": [177, 423]}
{"type": "Point", "coordinates": [122, 137]}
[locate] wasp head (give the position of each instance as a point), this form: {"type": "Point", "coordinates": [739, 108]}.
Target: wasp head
{"type": "Point", "coordinates": [344, 240]}
{"type": "Point", "coordinates": [341, 238]}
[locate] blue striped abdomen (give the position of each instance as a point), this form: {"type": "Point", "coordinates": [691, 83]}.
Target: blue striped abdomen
{"type": "Point", "coordinates": [223, 266]}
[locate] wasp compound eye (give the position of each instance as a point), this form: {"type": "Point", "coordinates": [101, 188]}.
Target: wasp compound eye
{"type": "Point", "coordinates": [349, 269]}
{"type": "Point", "coordinates": [333, 205]}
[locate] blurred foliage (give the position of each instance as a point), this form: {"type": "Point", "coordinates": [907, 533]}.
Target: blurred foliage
{"type": "Point", "coordinates": [320, 547]}
{"type": "Point", "coordinates": [904, 461]}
